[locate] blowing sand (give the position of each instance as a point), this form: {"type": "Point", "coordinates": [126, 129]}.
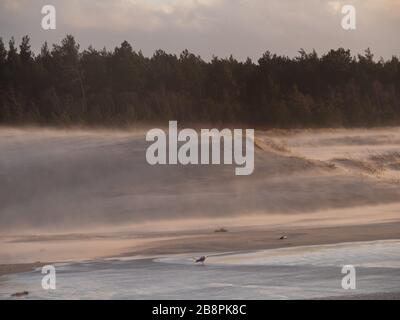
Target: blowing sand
{"type": "Point", "coordinates": [72, 195]}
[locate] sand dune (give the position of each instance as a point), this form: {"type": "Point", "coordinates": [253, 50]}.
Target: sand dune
{"type": "Point", "coordinates": [93, 181]}
{"type": "Point", "coordinates": [76, 179]}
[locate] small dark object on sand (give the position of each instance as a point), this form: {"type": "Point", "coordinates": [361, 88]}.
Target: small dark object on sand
{"type": "Point", "coordinates": [221, 230]}
{"type": "Point", "coordinates": [201, 259]}
{"type": "Point", "coordinates": [20, 294]}
{"type": "Point", "coordinates": [283, 238]}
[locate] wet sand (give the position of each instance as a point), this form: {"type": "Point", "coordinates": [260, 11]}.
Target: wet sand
{"type": "Point", "coordinates": [242, 239]}
{"type": "Point", "coordinates": [18, 267]}
{"type": "Point", "coordinates": [236, 239]}
{"type": "Point", "coordinates": [301, 272]}
{"type": "Point", "coordinates": [71, 195]}
{"type": "Point", "coordinates": [373, 296]}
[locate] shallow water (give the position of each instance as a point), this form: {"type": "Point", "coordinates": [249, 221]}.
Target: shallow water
{"type": "Point", "coordinates": [289, 273]}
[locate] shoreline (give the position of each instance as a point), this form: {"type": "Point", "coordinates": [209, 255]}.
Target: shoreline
{"type": "Point", "coordinates": [366, 296]}
{"type": "Point", "coordinates": [242, 239]}
{"type": "Point", "coordinates": [6, 269]}
{"type": "Point", "coordinates": [264, 238]}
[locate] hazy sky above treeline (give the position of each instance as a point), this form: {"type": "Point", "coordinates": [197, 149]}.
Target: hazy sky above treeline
{"type": "Point", "coordinates": [244, 28]}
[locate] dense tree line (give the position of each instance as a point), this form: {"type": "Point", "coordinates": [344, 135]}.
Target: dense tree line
{"type": "Point", "coordinates": [63, 85]}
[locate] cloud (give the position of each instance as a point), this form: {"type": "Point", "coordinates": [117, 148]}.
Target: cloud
{"type": "Point", "coordinates": [221, 27]}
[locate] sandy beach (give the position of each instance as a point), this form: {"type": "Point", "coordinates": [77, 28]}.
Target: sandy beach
{"type": "Point", "coordinates": [99, 200]}
{"type": "Point", "coordinates": [236, 239]}
{"type": "Point", "coordinates": [205, 150]}
{"type": "Point", "coordinates": [16, 268]}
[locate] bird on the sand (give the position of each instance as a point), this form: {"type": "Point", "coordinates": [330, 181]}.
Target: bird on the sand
{"type": "Point", "coordinates": [202, 259]}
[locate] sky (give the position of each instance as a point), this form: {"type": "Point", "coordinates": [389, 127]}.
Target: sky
{"type": "Point", "coordinates": [243, 28]}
